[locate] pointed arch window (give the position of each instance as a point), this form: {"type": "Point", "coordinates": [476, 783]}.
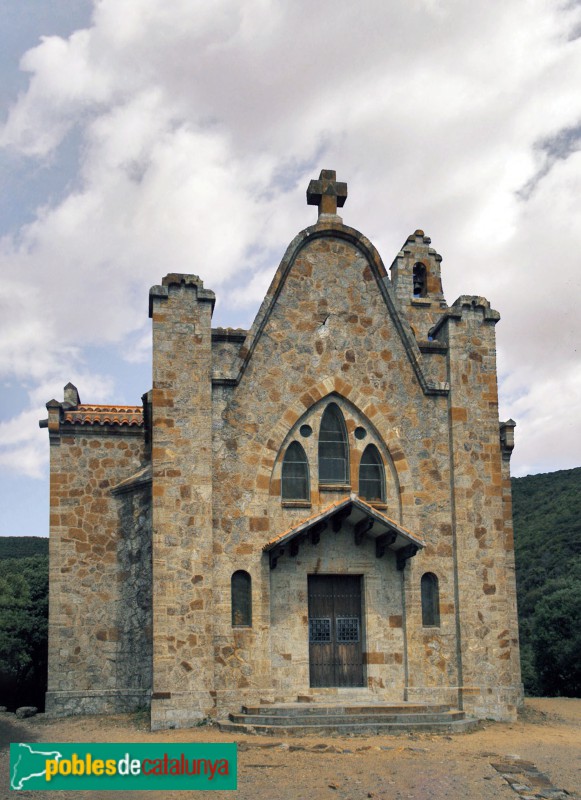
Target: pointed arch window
{"type": "Point", "coordinates": [372, 475]}
{"type": "Point", "coordinates": [430, 601]}
{"type": "Point", "coordinates": [333, 451]}
{"type": "Point", "coordinates": [295, 474]}
{"type": "Point", "coordinates": [241, 589]}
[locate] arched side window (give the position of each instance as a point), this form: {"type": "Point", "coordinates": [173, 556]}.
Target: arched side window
{"type": "Point", "coordinates": [333, 451]}
{"type": "Point", "coordinates": [295, 474]}
{"type": "Point", "coordinates": [372, 475]}
{"type": "Point", "coordinates": [430, 600]}
{"type": "Point", "coordinates": [419, 280]}
{"type": "Point", "coordinates": [241, 588]}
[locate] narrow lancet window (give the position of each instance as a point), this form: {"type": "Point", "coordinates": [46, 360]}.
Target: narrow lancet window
{"type": "Point", "coordinates": [430, 601]}
{"type": "Point", "coordinates": [333, 451]}
{"type": "Point", "coordinates": [372, 475]}
{"type": "Point", "coordinates": [295, 474]}
{"type": "Point", "coordinates": [241, 586]}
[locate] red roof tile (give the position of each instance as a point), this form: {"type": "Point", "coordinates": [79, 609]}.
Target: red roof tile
{"type": "Point", "coordinates": [326, 512]}
{"type": "Point", "coordinates": [131, 416]}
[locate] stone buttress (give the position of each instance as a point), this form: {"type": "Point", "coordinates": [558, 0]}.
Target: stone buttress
{"type": "Point", "coordinates": [181, 461]}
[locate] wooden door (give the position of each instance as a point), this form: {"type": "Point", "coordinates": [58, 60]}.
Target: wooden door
{"type": "Point", "coordinates": [335, 646]}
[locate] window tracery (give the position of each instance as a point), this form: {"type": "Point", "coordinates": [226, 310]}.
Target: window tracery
{"type": "Point", "coordinates": [333, 448]}
{"type": "Point", "coordinates": [295, 474]}
{"type": "Point", "coordinates": [372, 475]}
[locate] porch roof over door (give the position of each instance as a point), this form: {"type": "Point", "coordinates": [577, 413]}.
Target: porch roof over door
{"type": "Point", "coordinates": [366, 522]}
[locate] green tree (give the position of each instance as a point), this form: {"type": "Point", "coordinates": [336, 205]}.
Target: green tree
{"type": "Point", "coordinates": [556, 639]}
{"type": "Point", "coordinates": [23, 630]}
{"type": "Point", "coordinates": [547, 528]}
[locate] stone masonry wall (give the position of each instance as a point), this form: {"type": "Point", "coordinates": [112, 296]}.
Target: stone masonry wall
{"type": "Point", "coordinates": [99, 576]}
{"type": "Point", "coordinates": [329, 335]}
{"type": "Point", "coordinates": [325, 332]}
{"type": "Point", "coordinates": [140, 594]}
{"type": "Point", "coordinates": [382, 632]}
{"type": "Point", "coordinates": [134, 658]}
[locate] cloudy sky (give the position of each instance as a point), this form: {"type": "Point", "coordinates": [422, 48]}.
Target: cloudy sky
{"type": "Point", "coordinates": [139, 137]}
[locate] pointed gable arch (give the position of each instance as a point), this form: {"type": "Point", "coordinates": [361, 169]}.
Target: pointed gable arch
{"type": "Point", "coordinates": [376, 272]}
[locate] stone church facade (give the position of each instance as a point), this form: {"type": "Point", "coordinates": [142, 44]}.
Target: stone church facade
{"type": "Point", "coordinates": [316, 508]}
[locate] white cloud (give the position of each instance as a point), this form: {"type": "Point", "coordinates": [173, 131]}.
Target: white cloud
{"type": "Point", "coordinates": [138, 350]}
{"type": "Point", "coordinates": [27, 456]}
{"type": "Point", "coordinates": [23, 445]}
{"type": "Point", "coordinates": [548, 435]}
{"type": "Point", "coordinates": [201, 123]}
{"type": "Point", "coordinates": [253, 291]}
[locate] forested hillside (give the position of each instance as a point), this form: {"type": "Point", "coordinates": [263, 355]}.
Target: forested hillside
{"type": "Point", "coordinates": [23, 621]}
{"type": "Point", "coordinates": [547, 522]}
{"type": "Point", "coordinates": [23, 546]}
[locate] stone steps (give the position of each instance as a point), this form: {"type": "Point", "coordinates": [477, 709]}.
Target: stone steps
{"type": "Point", "coordinates": [343, 709]}
{"type": "Point", "coordinates": [358, 719]}
{"type": "Point", "coordinates": [298, 719]}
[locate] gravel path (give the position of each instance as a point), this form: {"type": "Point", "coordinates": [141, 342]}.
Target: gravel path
{"type": "Point", "coordinates": [490, 763]}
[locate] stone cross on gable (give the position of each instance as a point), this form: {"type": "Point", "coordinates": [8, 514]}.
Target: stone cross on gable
{"type": "Point", "coordinates": [327, 193]}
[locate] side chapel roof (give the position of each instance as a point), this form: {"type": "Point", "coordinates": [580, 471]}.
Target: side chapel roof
{"type": "Point", "coordinates": [104, 415]}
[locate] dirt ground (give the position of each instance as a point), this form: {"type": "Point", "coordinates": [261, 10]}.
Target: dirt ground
{"type": "Point", "coordinates": [547, 735]}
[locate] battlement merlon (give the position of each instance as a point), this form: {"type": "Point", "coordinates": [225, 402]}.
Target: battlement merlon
{"type": "Point", "coordinates": [71, 401]}
{"type": "Point", "coordinates": [466, 303]}
{"type": "Point", "coordinates": [180, 279]}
